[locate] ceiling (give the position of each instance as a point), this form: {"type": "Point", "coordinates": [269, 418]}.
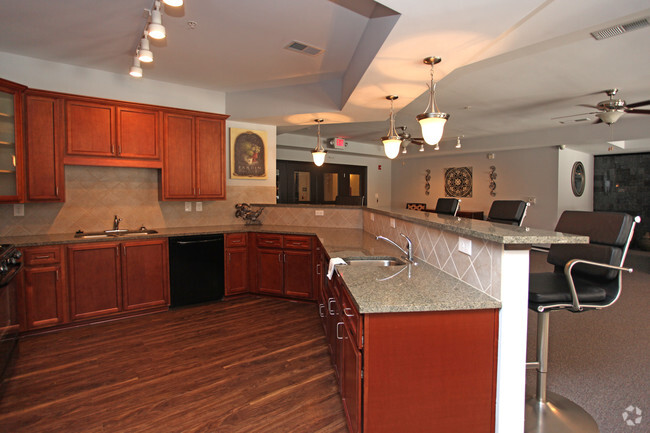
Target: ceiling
{"type": "Point", "coordinates": [510, 67]}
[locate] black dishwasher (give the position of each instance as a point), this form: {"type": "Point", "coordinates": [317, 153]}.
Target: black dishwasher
{"type": "Point", "coordinates": [196, 269]}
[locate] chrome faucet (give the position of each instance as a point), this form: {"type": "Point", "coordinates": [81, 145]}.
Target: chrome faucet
{"type": "Point", "coordinates": [116, 223]}
{"type": "Point", "coordinates": [407, 253]}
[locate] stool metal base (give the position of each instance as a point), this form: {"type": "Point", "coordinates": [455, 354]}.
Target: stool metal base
{"type": "Point", "coordinates": [557, 415]}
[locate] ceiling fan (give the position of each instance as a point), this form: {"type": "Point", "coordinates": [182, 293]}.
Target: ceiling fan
{"type": "Point", "coordinates": [406, 139]}
{"type": "Point", "coordinates": [611, 110]}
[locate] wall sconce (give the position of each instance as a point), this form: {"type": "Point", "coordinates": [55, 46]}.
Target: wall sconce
{"type": "Point", "coordinates": [432, 121]}
{"type": "Point", "coordinates": [319, 153]}
{"type": "Point", "coordinates": [392, 141]}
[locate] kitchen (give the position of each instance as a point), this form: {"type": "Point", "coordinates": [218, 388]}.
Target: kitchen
{"type": "Point", "coordinates": [95, 194]}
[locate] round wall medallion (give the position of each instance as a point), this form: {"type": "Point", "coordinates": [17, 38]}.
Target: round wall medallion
{"type": "Point", "coordinates": [578, 179]}
{"type": "Point", "coordinates": [458, 182]}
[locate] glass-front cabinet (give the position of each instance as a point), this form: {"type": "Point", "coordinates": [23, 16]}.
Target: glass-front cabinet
{"type": "Point", "coordinates": [11, 142]}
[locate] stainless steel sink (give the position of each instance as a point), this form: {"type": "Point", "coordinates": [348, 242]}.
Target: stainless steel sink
{"type": "Point", "coordinates": [374, 261]}
{"type": "Point", "coordinates": [113, 233]}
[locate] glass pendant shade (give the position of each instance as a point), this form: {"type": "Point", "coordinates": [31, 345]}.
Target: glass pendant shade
{"type": "Point", "coordinates": [432, 127]}
{"type": "Point", "coordinates": [318, 154]}
{"type": "Point", "coordinates": [391, 147]}
{"type": "Point", "coordinates": [611, 116]}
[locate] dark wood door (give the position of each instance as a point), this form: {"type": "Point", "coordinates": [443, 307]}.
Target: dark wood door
{"type": "Point", "coordinates": [44, 146]}
{"type": "Point", "coordinates": [210, 158]}
{"type": "Point", "coordinates": [298, 273]}
{"type": "Point", "coordinates": [138, 133]}
{"type": "Point", "coordinates": [145, 274]}
{"type": "Point", "coordinates": [178, 157]}
{"type": "Point", "coordinates": [90, 129]}
{"type": "Point", "coordinates": [94, 280]}
{"type": "Point", "coordinates": [351, 364]}
{"type": "Point", "coordinates": [236, 271]}
{"type": "Point", "coordinates": [270, 270]}
{"type": "Point", "coordinates": [44, 297]}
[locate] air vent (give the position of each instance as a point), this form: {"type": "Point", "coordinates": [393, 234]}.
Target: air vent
{"type": "Point", "coordinates": [620, 29]}
{"type": "Point", "coordinates": [300, 47]}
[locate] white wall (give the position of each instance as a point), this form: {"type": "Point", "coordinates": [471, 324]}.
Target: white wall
{"type": "Point", "coordinates": [295, 147]}
{"type": "Point", "coordinates": [521, 174]}
{"type": "Point", "coordinates": [59, 77]}
{"type": "Point", "coordinates": [565, 198]}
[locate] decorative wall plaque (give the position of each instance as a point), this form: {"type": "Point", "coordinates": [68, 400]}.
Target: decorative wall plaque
{"type": "Point", "coordinates": [458, 182]}
{"type": "Point", "coordinates": [247, 154]}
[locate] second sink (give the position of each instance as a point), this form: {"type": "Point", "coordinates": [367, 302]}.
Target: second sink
{"type": "Point", "coordinates": [374, 261]}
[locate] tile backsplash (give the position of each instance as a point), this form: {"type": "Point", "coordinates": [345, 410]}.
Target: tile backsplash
{"type": "Point", "coordinates": [95, 194]}
{"type": "Point", "coordinates": [348, 218]}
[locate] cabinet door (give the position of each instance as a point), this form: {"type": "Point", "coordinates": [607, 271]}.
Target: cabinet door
{"type": "Point", "coordinates": [269, 268]}
{"type": "Point", "coordinates": [90, 129]}
{"type": "Point", "coordinates": [298, 273]}
{"type": "Point", "coordinates": [145, 274]}
{"type": "Point", "coordinates": [210, 159]}
{"type": "Point", "coordinates": [94, 280]}
{"type": "Point", "coordinates": [236, 271]}
{"type": "Point", "coordinates": [44, 297]}
{"type": "Point", "coordinates": [12, 178]}
{"type": "Point", "coordinates": [351, 381]}
{"type": "Point", "coordinates": [44, 145]}
{"type": "Point", "coordinates": [138, 133]}
{"type": "Point", "coordinates": [178, 156]}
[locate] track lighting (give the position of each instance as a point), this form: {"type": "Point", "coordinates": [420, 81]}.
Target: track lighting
{"type": "Point", "coordinates": [136, 70]}
{"type": "Point", "coordinates": [319, 153]}
{"type": "Point", "coordinates": [432, 121]}
{"type": "Point", "coordinates": [156, 30]}
{"type": "Point", "coordinates": [173, 3]}
{"type": "Point", "coordinates": [392, 141]}
{"type": "Point", "coordinates": [458, 145]}
{"type": "Point", "coordinates": [144, 53]}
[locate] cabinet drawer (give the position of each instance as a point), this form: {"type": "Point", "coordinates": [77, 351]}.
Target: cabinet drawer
{"type": "Point", "coordinates": [269, 240]}
{"type": "Point", "coordinates": [236, 240]}
{"type": "Point", "coordinates": [35, 256]}
{"type": "Point", "coordinates": [297, 242]}
{"type": "Point", "coordinates": [351, 316]}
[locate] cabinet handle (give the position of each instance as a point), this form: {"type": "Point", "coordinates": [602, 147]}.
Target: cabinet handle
{"type": "Point", "coordinates": [41, 257]}
{"type": "Point", "coordinates": [124, 251]}
{"type": "Point", "coordinates": [57, 275]}
{"type": "Point", "coordinates": [228, 256]}
{"type": "Point", "coordinates": [345, 311]}
{"type": "Point", "coordinates": [236, 241]}
{"type": "Point", "coordinates": [112, 148]}
{"type": "Point", "coordinates": [117, 252]}
{"type": "Point", "coordinates": [320, 310]}
{"type": "Point", "coordinates": [56, 191]}
{"type": "Point", "coordinates": [317, 268]}
{"type": "Point", "coordinates": [119, 150]}
{"type": "Point", "coordinates": [280, 257]}
{"type": "Point", "coordinates": [329, 305]}
{"type": "Point", "coordinates": [338, 337]}
{"type": "Point", "coordinates": [199, 190]}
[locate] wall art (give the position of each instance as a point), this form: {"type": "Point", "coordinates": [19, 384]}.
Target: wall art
{"type": "Point", "coordinates": [427, 185]}
{"type": "Point", "coordinates": [247, 154]}
{"type": "Point", "coordinates": [458, 182]}
{"type": "Point", "coordinates": [493, 184]}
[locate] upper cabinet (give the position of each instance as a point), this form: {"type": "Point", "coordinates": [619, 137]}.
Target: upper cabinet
{"type": "Point", "coordinates": [194, 166]}
{"type": "Point", "coordinates": [12, 177]}
{"type": "Point", "coordinates": [100, 132]}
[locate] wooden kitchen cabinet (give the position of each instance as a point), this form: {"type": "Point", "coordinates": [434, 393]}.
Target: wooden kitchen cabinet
{"type": "Point", "coordinates": [194, 163]}
{"type": "Point", "coordinates": [44, 148]}
{"type": "Point", "coordinates": [236, 265]}
{"type": "Point", "coordinates": [145, 274]}
{"type": "Point", "coordinates": [12, 176]}
{"type": "Point", "coordinates": [103, 132]}
{"type": "Point", "coordinates": [44, 296]}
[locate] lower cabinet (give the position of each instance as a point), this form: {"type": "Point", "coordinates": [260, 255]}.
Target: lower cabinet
{"type": "Point", "coordinates": [236, 266]}
{"type": "Point", "coordinates": [108, 278]}
{"type": "Point", "coordinates": [413, 371]}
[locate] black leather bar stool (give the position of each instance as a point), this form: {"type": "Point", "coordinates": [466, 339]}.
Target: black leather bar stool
{"type": "Point", "coordinates": [447, 206]}
{"type": "Point", "coordinates": [510, 212]}
{"type": "Point", "coordinates": [586, 277]}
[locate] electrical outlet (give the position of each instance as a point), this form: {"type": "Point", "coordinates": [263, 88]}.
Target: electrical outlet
{"type": "Point", "coordinates": [199, 206]}
{"type": "Point", "coordinates": [319, 212]}
{"type": "Point", "coordinates": [19, 209]}
{"type": "Point", "coordinates": [465, 246]}
{"type": "Point", "coordinates": [372, 217]}
{"type": "Point", "coordinates": [188, 206]}
{"type": "Point", "coordinates": [392, 222]}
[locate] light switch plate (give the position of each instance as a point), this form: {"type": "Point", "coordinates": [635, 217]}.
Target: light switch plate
{"type": "Point", "coordinates": [19, 209]}
{"type": "Point", "coordinates": [465, 246]}
{"type": "Point", "coordinates": [392, 222]}
{"type": "Point", "coordinates": [199, 206]}
{"type": "Point", "coordinates": [188, 206]}
{"type": "Point", "coordinates": [372, 217]}
{"type": "Point", "coordinates": [319, 212]}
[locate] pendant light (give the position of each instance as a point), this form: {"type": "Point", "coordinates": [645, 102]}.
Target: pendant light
{"type": "Point", "coordinates": [432, 121]}
{"type": "Point", "coordinates": [319, 153]}
{"type": "Point", "coordinates": [392, 141]}
{"type": "Point", "coordinates": [155, 29]}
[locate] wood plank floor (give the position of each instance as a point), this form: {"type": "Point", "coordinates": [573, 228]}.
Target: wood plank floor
{"type": "Point", "coordinates": [245, 365]}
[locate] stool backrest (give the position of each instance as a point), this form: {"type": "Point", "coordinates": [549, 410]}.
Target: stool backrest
{"type": "Point", "coordinates": [609, 234]}
{"type": "Point", "coordinates": [508, 212]}
{"type": "Point", "coordinates": [448, 206]}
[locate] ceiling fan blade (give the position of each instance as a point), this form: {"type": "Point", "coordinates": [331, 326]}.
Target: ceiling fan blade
{"type": "Point", "coordinates": [417, 140]}
{"type": "Point", "coordinates": [588, 106]}
{"type": "Point", "coordinates": [597, 122]}
{"type": "Point", "coordinates": [633, 111]}
{"type": "Point", "coordinates": [574, 115]}
{"type": "Point", "coordinates": [638, 104]}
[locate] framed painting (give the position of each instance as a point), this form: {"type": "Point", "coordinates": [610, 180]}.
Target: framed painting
{"type": "Point", "coordinates": [247, 154]}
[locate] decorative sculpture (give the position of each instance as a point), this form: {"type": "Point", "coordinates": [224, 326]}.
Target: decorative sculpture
{"type": "Point", "coordinates": [493, 184]}
{"type": "Point", "coordinates": [427, 178]}
{"type": "Point", "coordinates": [249, 215]}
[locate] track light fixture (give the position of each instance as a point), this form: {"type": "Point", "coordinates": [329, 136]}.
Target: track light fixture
{"type": "Point", "coordinates": [458, 145]}
{"type": "Point", "coordinates": [144, 53]}
{"type": "Point", "coordinates": [319, 153]}
{"type": "Point", "coordinates": [432, 120]}
{"type": "Point", "coordinates": [136, 70]}
{"type": "Point", "coordinates": [155, 29]}
{"type": "Point", "coordinates": [173, 3]}
{"type": "Point", "coordinates": [392, 141]}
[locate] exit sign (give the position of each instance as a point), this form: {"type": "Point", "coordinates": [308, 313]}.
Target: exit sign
{"type": "Point", "coordinates": [338, 143]}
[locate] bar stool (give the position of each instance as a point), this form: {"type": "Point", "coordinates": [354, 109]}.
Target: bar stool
{"type": "Point", "coordinates": [586, 277]}
{"type": "Point", "coordinates": [510, 212]}
{"type": "Point", "coordinates": [447, 206]}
